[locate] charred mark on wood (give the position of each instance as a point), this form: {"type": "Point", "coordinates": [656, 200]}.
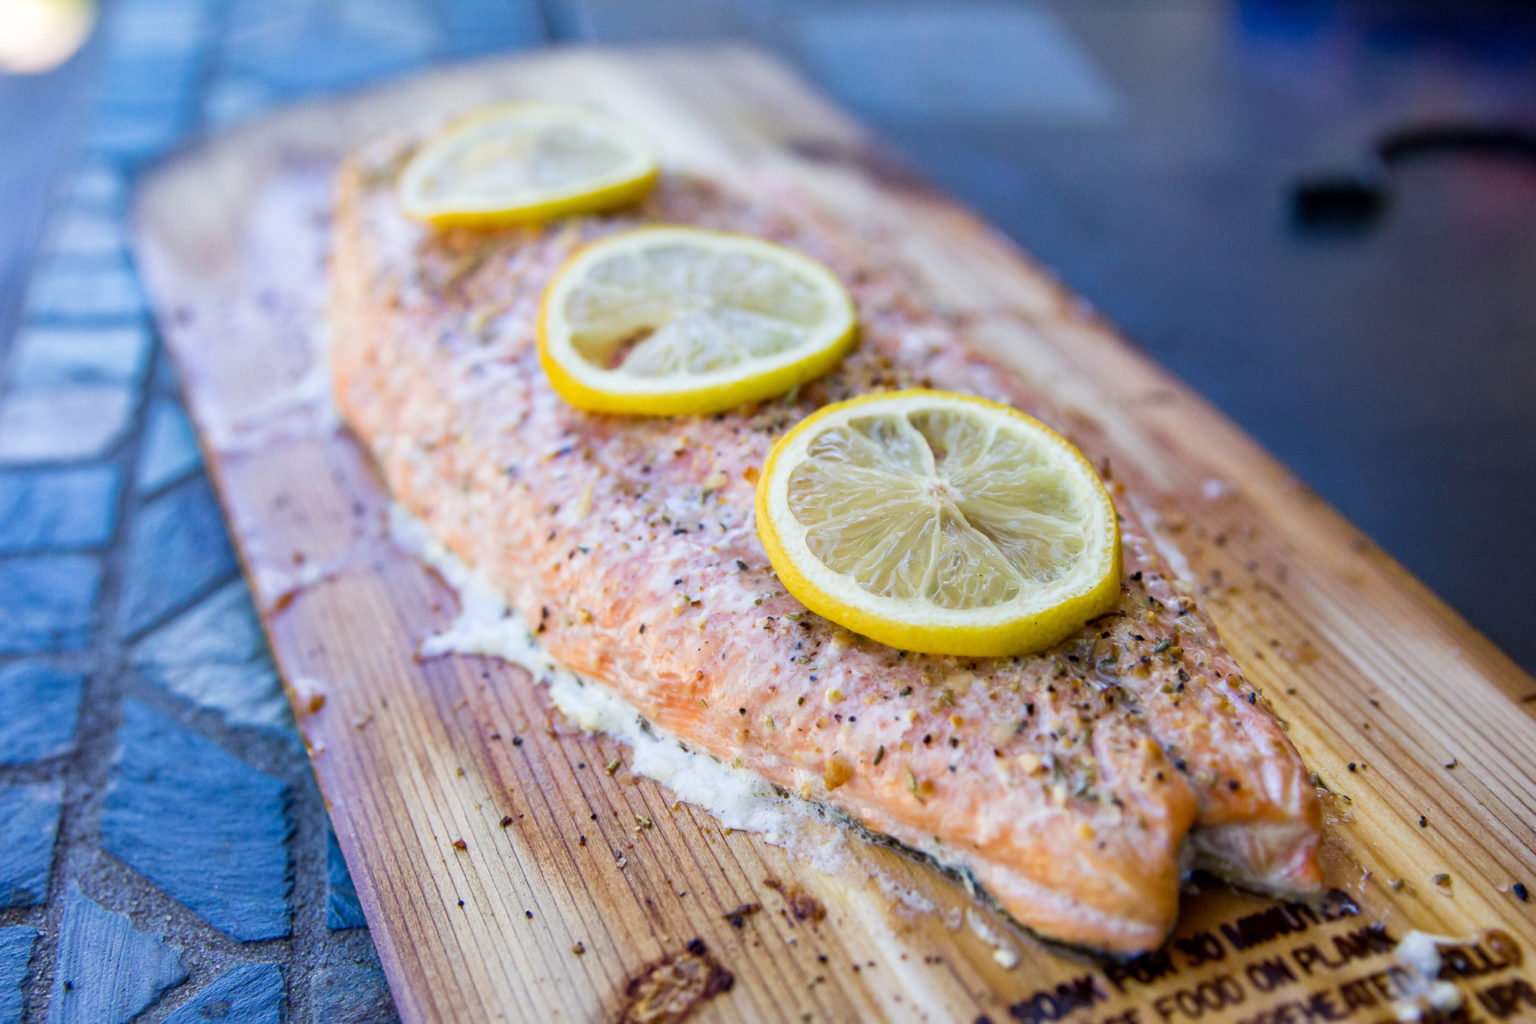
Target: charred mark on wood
{"type": "Point", "coordinates": [738, 917]}
{"type": "Point", "coordinates": [803, 906]}
{"type": "Point", "coordinates": [670, 991]}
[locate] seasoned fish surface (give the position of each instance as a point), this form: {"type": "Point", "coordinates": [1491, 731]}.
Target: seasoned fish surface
{"type": "Point", "coordinates": [1065, 783]}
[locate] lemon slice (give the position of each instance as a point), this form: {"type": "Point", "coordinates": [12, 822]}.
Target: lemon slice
{"type": "Point", "coordinates": [672, 321]}
{"type": "Point", "coordinates": [940, 523]}
{"type": "Point", "coordinates": [521, 162]}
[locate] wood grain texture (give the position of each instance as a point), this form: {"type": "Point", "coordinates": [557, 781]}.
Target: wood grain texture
{"type": "Point", "coordinates": [508, 876]}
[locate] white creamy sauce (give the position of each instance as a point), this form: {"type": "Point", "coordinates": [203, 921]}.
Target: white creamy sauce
{"type": "Point", "coordinates": [1444, 996]}
{"type": "Point", "coordinates": [739, 799]}
{"type": "Point", "coordinates": [1420, 953]}
{"type": "Point", "coordinates": [273, 586]}
{"type": "Point", "coordinates": [1002, 950]}
{"type": "Point", "coordinates": [907, 898]}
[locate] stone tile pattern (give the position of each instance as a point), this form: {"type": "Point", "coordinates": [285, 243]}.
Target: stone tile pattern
{"type": "Point", "coordinates": [157, 812]}
{"type": "Point", "coordinates": [91, 937]}
{"type": "Point", "coordinates": [342, 910]}
{"type": "Point", "coordinates": [169, 451]}
{"type": "Point", "coordinates": [16, 945]}
{"type": "Point", "coordinates": [353, 992]}
{"type": "Point", "coordinates": [50, 602]}
{"type": "Point", "coordinates": [39, 710]}
{"type": "Point", "coordinates": [44, 356]}
{"type": "Point", "coordinates": [249, 993]}
{"type": "Point", "coordinates": [214, 655]}
{"type": "Point", "coordinates": [201, 824]}
{"type": "Point", "coordinates": [50, 424]}
{"type": "Point", "coordinates": [74, 507]}
{"type": "Point", "coordinates": [29, 824]}
{"type": "Point", "coordinates": [177, 550]}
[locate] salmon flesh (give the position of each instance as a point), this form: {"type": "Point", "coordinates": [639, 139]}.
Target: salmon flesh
{"type": "Point", "coordinates": [1076, 786]}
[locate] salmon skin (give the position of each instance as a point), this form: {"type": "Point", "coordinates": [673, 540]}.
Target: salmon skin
{"type": "Point", "coordinates": [1075, 786]}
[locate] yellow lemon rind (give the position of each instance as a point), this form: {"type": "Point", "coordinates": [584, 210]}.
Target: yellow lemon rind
{"type": "Point", "coordinates": [746, 389]}
{"type": "Point", "coordinates": [1026, 631]}
{"type": "Point", "coordinates": [602, 200]}
{"type": "Point", "coordinates": [607, 194]}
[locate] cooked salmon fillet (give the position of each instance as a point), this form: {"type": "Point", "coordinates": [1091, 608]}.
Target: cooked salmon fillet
{"type": "Point", "coordinates": [1066, 784]}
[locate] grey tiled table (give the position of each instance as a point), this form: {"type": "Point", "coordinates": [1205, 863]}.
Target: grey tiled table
{"type": "Point", "coordinates": [164, 853]}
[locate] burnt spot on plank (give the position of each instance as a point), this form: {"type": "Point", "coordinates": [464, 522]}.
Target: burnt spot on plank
{"type": "Point", "coordinates": [738, 917]}
{"type": "Point", "coordinates": [801, 904]}
{"type": "Point", "coordinates": [670, 991]}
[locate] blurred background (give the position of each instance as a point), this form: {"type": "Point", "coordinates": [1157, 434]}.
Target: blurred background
{"type": "Point", "coordinates": [1166, 159]}
{"type": "Point", "coordinates": [1147, 152]}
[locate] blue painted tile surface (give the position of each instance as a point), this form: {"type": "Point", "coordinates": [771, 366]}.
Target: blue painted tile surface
{"type": "Point", "coordinates": [29, 824]}
{"type": "Point", "coordinates": [57, 508]}
{"type": "Point", "coordinates": [124, 7]}
{"type": "Point", "coordinates": [134, 133]}
{"type": "Point", "coordinates": [215, 655]}
{"type": "Point", "coordinates": [247, 994]}
{"type": "Point", "coordinates": [264, 22]}
{"type": "Point", "coordinates": [51, 356]}
{"type": "Point", "coordinates": [159, 29]}
{"type": "Point", "coordinates": [54, 424]}
{"type": "Point", "coordinates": [169, 450]}
{"type": "Point", "coordinates": [235, 99]}
{"type": "Point", "coordinates": [204, 10]}
{"type": "Point", "coordinates": [39, 711]}
{"type": "Point", "coordinates": [105, 970]}
{"type": "Point", "coordinates": [323, 60]}
{"type": "Point", "coordinates": [61, 292]}
{"type": "Point", "coordinates": [49, 603]}
{"type": "Point", "coordinates": [352, 992]}
{"type": "Point", "coordinates": [164, 376]}
{"type": "Point", "coordinates": [482, 26]}
{"type": "Point", "coordinates": [96, 186]}
{"type": "Point", "coordinates": [342, 910]}
{"type": "Point", "coordinates": [148, 80]}
{"type": "Point", "coordinates": [177, 548]}
{"type": "Point", "coordinates": [201, 824]}
{"type": "Point", "coordinates": [15, 951]}
{"type": "Point", "coordinates": [965, 61]}
{"type": "Point", "coordinates": [401, 26]}
{"type": "Point", "coordinates": [86, 236]}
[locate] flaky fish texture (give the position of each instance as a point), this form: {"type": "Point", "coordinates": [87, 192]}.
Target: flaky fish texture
{"type": "Point", "coordinates": [1073, 786]}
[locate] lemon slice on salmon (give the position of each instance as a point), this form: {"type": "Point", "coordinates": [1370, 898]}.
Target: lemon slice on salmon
{"type": "Point", "coordinates": [526, 162]}
{"type": "Point", "coordinates": [940, 523]}
{"type": "Point", "coordinates": [671, 321]}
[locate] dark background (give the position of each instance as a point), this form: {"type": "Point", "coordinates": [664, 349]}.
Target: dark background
{"type": "Point", "coordinates": [1145, 151]}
